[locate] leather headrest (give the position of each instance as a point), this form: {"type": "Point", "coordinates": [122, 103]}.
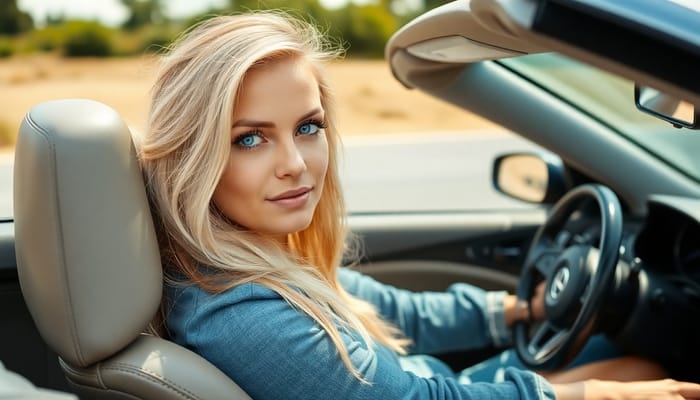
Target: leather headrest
{"type": "Point", "coordinates": [87, 256]}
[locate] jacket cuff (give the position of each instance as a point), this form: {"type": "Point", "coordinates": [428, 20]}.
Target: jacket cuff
{"type": "Point", "coordinates": [496, 320]}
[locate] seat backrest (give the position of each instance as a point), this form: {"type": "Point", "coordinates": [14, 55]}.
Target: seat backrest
{"type": "Point", "coordinates": [88, 260]}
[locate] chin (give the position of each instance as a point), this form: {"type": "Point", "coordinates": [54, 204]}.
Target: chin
{"type": "Point", "coordinates": [292, 227]}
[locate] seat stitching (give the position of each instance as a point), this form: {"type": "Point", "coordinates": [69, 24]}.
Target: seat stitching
{"type": "Point", "coordinates": [52, 153]}
{"type": "Point", "coordinates": [151, 375]}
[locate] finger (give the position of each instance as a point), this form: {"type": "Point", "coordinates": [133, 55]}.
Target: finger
{"type": "Point", "coordinates": [540, 287]}
{"type": "Point", "coordinates": [689, 390]}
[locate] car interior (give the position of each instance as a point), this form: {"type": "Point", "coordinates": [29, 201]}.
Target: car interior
{"type": "Point", "coordinates": [88, 259]}
{"type": "Point", "coordinates": [80, 275]}
{"type": "Point", "coordinates": [445, 53]}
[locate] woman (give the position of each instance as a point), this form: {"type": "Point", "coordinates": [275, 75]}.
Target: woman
{"type": "Point", "coordinates": [240, 162]}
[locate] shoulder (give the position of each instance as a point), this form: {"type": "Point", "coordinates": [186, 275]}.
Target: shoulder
{"type": "Point", "coordinates": [194, 296]}
{"type": "Point", "coordinates": [192, 311]}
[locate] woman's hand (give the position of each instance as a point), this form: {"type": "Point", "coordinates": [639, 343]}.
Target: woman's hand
{"type": "Point", "coordinates": [640, 390]}
{"type": "Point", "coordinates": [519, 310]}
{"type": "Point", "coordinates": [537, 302]}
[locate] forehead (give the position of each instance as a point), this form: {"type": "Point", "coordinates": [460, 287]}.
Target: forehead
{"type": "Point", "coordinates": [285, 86]}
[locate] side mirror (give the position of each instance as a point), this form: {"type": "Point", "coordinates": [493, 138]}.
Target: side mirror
{"type": "Point", "coordinates": [680, 113]}
{"type": "Point", "coordinates": [530, 177]}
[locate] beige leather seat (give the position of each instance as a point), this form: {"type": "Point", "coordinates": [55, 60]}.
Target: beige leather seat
{"type": "Point", "coordinates": [88, 262]}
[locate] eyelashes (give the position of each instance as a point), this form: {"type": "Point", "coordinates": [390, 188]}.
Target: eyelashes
{"type": "Point", "coordinates": [318, 122]}
{"type": "Point", "coordinates": [311, 127]}
{"type": "Point", "coordinates": [254, 138]}
{"type": "Point", "coordinates": [248, 140]}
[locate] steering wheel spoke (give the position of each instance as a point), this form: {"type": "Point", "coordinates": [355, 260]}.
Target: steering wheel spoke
{"type": "Point", "coordinates": [545, 261]}
{"type": "Point", "coordinates": [546, 340]}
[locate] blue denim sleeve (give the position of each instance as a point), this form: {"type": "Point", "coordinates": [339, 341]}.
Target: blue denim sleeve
{"type": "Point", "coordinates": [274, 351]}
{"type": "Point", "coordinates": [463, 317]}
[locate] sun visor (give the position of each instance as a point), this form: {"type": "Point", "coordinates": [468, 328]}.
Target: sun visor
{"type": "Point", "coordinates": [446, 37]}
{"type": "Point", "coordinates": [653, 43]}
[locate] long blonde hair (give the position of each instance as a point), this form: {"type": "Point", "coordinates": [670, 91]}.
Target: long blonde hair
{"type": "Point", "coordinates": [186, 149]}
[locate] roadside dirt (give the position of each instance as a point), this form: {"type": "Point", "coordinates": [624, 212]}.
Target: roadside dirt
{"type": "Point", "coordinates": [370, 100]}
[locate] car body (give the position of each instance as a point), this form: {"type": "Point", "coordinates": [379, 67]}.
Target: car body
{"type": "Point", "coordinates": [430, 211]}
{"type": "Point", "coordinates": [564, 74]}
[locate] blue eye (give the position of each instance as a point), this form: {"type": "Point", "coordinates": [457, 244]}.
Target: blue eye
{"type": "Point", "coordinates": [310, 128]}
{"type": "Point", "coordinates": [248, 140]}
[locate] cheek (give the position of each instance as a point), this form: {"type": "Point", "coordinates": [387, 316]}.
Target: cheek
{"type": "Point", "coordinates": [234, 188]}
{"type": "Point", "coordinates": [317, 157]}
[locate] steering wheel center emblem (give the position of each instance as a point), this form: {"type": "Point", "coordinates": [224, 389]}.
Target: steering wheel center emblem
{"type": "Point", "coordinates": [561, 279]}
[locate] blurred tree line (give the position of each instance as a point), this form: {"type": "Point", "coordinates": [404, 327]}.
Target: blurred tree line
{"type": "Point", "coordinates": [364, 29]}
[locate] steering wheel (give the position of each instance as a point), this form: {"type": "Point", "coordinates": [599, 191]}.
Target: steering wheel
{"type": "Point", "coordinates": [577, 276]}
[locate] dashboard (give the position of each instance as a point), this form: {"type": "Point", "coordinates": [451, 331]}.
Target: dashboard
{"type": "Point", "coordinates": [652, 308]}
{"type": "Point", "coordinates": [664, 259]}
{"type": "Point", "coordinates": [669, 243]}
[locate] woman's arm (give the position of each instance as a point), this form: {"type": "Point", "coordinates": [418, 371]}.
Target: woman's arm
{"type": "Point", "coordinates": [463, 317]}
{"type": "Point", "coordinates": [274, 351]}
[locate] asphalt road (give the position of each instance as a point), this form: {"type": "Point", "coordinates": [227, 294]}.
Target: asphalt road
{"type": "Point", "coordinates": [391, 173]}
{"type": "Point", "coordinates": [431, 172]}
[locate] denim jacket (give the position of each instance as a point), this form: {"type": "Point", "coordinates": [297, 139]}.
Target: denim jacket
{"type": "Point", "coordinates": [274, 351]}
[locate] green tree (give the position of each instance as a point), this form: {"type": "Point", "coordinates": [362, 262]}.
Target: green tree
{"type": "Point", "coordinates": [7, 49]}
{"type": "Point", "coordinates": [142, 13]}
{"type": "Point", "coordinates": [430, 4]}
{"type": "Point", "coordinates": [366, 28]}
{"type": "Point", "coordinates": [55, 19]}
{"type": "Point", "coordinates": [12, 20]}
{"type": "Point", "coordinates": [303, 8]}
{"type": "Point", "coordinates": [87, 39]}
{"type": "Point", "coordinates": [308, 10]}
{"type": "Point", "coordinates": [362, 29]}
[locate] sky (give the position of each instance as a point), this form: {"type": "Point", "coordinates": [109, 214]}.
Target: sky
{"type": "Point", "coordinates": [692, 4]}
{"type": "Point", "coordinates": [113, 13]}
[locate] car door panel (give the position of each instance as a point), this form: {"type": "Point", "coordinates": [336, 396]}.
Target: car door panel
{"type": "Point", "coordinates": [424, 251]}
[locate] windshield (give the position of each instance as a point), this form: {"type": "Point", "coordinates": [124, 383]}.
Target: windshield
{"type": "Point", "coordinates": [611, 100]}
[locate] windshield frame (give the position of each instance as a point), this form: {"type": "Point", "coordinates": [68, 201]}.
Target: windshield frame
{"type": "Point", "coordinates": [609, 99]}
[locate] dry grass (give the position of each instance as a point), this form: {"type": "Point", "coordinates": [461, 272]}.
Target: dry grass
{"type": "Point", "coordinates": [370, 100]}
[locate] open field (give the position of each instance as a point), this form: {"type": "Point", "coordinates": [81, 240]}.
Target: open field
{"type": "Point", "coordinates": [370, 100]}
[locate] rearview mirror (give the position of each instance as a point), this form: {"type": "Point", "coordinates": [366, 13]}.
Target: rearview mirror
{"type": "Point", "coordinates": [680, 113]}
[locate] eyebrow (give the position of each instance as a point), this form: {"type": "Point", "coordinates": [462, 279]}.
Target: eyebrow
{"type": "Point", "coordinates": [266, 124]}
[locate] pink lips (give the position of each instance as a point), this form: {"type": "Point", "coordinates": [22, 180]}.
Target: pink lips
{"type": "Point", "coordinates": [292, 198]}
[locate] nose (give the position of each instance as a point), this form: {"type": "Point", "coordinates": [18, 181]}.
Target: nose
{"type": "Point", "coordinates": [290, 160]}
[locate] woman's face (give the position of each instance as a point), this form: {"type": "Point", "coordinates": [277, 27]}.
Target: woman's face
{"type": "Point", "coordinates": [279, 152]}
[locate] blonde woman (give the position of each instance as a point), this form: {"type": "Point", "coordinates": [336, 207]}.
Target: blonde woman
{"type": "Point", "coordinates": [240, 164]}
